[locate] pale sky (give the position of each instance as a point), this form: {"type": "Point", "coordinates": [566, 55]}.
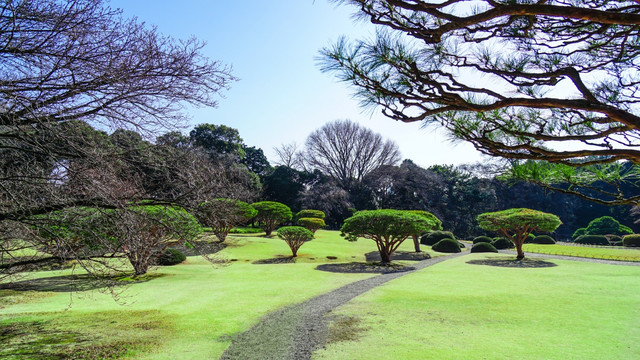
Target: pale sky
{"type": "Point", "coordinates": [282, 95]}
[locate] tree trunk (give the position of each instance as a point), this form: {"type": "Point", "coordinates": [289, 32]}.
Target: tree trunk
{"type": "Point", "coordinates": [519, 250]}
{"type": "Point", "coordinates": [416, 243]}
{"type": "Point", "coordinates": [385, 256]}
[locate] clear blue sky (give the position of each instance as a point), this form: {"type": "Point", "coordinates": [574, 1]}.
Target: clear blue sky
{"type": "Point", "coordinates": [282, 95]}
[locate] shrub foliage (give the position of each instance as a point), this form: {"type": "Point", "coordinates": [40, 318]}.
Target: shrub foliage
{"type": "Point", "coordinates": [295, 236]}
{"type": "Point", "coordinates": [447, 245]}
{"type": "Point", "coordinates": [483, 247]}
{"type": "Point", "coordinates": [271, 214]}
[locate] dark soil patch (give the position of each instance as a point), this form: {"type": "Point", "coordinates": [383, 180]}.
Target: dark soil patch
{"type": "Point", "coordinates": [344, 328]}
{"type": "Point", "coordinates": [370, 267]}
{"type": "Point", "coordinates": [278, 260]}
{"type": "Point", "coordinates": [513, 263]}
{"type": "Point", "coordinates": [398, 255]}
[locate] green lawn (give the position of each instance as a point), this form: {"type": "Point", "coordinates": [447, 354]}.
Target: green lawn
{"type": "Point", "coordinates": [608, 253]}
{"type": "Point", "coordinates": [191, 311]}
{"type": "Point", "coordinates": [455, 310]}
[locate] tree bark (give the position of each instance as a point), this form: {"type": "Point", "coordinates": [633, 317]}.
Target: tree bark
{"type": "Point", "coordinates": [416, 243]}
{"type": "Point", "coordinates": [519, 250]}
{"type": "Point", "coordinates": [385, 256]}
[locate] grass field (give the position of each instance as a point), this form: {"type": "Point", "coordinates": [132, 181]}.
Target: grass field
{"type": "Point", "coordinates": [189, 311]}
{"type": "Point", "coordinates": [608, 253]}
{"type": "Point", "coordinates": [450, 310]}
{"type": "Point", "coordinates": [455, 310]}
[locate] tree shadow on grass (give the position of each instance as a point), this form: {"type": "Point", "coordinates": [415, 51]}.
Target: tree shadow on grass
{"type": "Point", "coordinates": [369, 267]}
{"type": "Point", "coordinates": [75, 283]}
{"type": "Point", "coordinates": [513, 263]}
{"type": "Point", "coordinates": [277, 260]}
{"type": "Point", "coordinates": [398, 255]}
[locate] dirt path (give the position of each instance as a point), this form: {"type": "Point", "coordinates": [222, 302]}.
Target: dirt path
{"type": "Point", "coordinates": [294, 332]}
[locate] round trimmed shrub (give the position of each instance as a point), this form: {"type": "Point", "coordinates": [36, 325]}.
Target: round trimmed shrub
{"type": "Point", "coordinates": [482, 238]}
{"type": "Point", "coordinates": [171, 257]}
{"type": "Point", "coordinates": [592, 240]}
{"type": "Point", "coordinates": [446, 245]}
{"type": "Point", "coordinates": [311, 224]}
{"type": "Point", "coordinates": [578, 233]}
{"type": "Point", "coordinates": [632, 240]}
{"type": "Point", "coordinates": [543, 239]}
{"type": "Point", "coordinates": [309, 213]}
{"type": "Point", "coordinates": [483, 247]}
{"type": "Point", "coordinates": [501, 243]}
{"type": "Point", "coordinates": [434, 236]}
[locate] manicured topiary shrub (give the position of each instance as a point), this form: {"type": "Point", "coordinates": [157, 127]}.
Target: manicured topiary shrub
{"type": "Point", "coordinates": [502, 243]}
{"type": "Point", "coordinates": [170, 257]}
{"type": "Point", "coordinates": [579, 232]}
{"type": "Point", "coordinates": [592, 240]}
{"type": "Point", "coordinates": [482, 238]}
{"type": "Point", "coordinates": [446, 245]}
{"type": "Point", "coordinates": [483, 247]}
{"type": "Point", "coordinates": [632, 240]}
{"type": "Point", "coordinates": [606, 225]}
{"type": "Point", "coordinates": [311, 224]}
{"type": "Point", "coordinates": [308, 213]}
{"type": "Point", "coordinates": [543, 239]}
{"type": "Point", "coordinates": [530, 239]}
{"type": "Point", "coordinates": [295, 236]}
{"type": "Point", "coordinates": [433, 237]}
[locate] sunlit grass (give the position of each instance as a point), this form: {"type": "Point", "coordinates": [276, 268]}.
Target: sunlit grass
{"type": "Point", "coordinates": [455, 310]}
{"type": "Point", "coordinates": [608, 253]}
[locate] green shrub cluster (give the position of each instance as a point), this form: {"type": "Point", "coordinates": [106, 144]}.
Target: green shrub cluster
{"type": "Point", "coordinates": [483, 247]}
{"type": "Point", "coordinates": [170, 257]}
{"type": "Point", "coordinates": [309, 213]}
{"type": "Point", "coordinates": [311, 224]}
{"type": "Point", "coordinates": [543, 239]}
{"type": "Point", "coordinates": [605, 225]}
{"type": "Point", "coordinates": [501, 243]}
{"type": "Point", "coordinates": [482, 238]}
{"type": "Point", "coordinates": [632, 240]}
{"type": "Point", "coordinates": [447, 245]}
{"type": "Point", "coordinates": [433, 237]}
{"type": "Point", "coordinates": [592, 240]}
{"type": "Point", "coordinates": [530, 239]}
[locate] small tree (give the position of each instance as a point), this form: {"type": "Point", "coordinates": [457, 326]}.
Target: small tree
{"type": "Point", "coordinates": [294, 236]}
{"type": "Point", "coordinates": [517, 224]}
{"type": "Point", "coordinates": [388, 228]}
{"type": "Point", "coordinates": [309, 213]}
{"type": "Point", "coordinates": [222, 215]}
{"type": "Point", "coordinates": [430, 216]}
{"type": "Point", "coordinates": [270, 214]}
{"type": "Point", "coordinates": [311, 224]}
{"type": "Point", "coordinates": [606, 225]}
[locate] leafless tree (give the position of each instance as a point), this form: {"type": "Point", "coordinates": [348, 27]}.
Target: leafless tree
{"type": "Point", "coordinates": [348, 151]}
{"type": "Point", "coordinates": [553, 80]}
{"type": "Point", "coordinates": [67, 67]}
{"type": "Point", "coordinates": [289, 155]}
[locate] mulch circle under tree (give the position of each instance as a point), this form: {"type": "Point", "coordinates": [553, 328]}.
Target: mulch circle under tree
{"type": "Point", "coordinates": [512, 263]}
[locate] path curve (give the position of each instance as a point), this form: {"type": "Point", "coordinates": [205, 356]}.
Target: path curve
{"type": "Point", "coordinates": [294, 332]}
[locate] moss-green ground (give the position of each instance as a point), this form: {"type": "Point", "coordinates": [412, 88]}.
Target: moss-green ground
{"type": "Point", "coordinates": [450, 310]}
{"type": "Point", "coordinates": [456, 310]}
{"type": "Point", "coordinates": [607, 253]}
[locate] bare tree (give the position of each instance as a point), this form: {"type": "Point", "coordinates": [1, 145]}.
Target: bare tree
{"type": "Point", "coordinates": [552, 80]}
{"type": "Point", "coordinates": [348, 151]}
{"type": "Point", "coordinates": [289, 155]}
{"type": "Point", "coordinates": [67, 67]}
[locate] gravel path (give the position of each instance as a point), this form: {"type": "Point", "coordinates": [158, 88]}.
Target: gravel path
{"type": "Point", "coordinates": [294, 332]}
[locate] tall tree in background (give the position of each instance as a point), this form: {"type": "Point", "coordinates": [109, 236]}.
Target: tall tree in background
{"type": "Point", "coordinates": [549, 80]}
{"type": "Point", "coordinates": [217, 140]}
{"type": "Point", "coordinates": [347, 151]}
{"type": "Point", "coordinates": [69, 66]}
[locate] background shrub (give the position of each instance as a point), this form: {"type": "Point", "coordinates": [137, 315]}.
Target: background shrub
{"type": "Point", "coordinates": [592, 240]}
{"type": "Point", "coordinates": [311, 224]}
{"type": "Point", "coordinates": [579, 232]}
{"type": "Point", "coordinates": [433, 237]}
{"type": "Point", "coordinates": [483, 247]}
{"type": "Point", "coordinates": [447, 245]}
{"type": "Point", "coordinates": [531, 239]}
{"type": "Point", "coordinates": [632, 240]}
{"type": "Point", "coordinates": [170, 257]}
{"type": "Point", "coordinates": [543, 239]}
{"type": "Point", "coordinates": [482, 238]}
{"type": "Point", "coordinates": [309, 213]}
{"type": "Point", "coordinates": [501, 243]}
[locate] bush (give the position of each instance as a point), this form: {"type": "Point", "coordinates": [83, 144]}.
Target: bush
{"type": "Point", "coordinates": [170, 257]}
{"type": "Point", "coordinates": [483, 247]}
{"type": "Point", "coordinates": [245, 230]}
{"type": "Point", "coordinates": [606, 225]}
{"type": "Point", "coordinates": [311, 224]}
{"type": "Point", "coordinates": [543, 239]}
{"type": "Point", "coordinates": [592, 240]}
{"type": "Point", "coordinates": [294, 236]}
{"type": "Point", "coordinates": [501, 243]}
{"type": "Point", "coordinates": [433, 237]}
{"type": "Point", "coordinates": [447, 245]}
{"type": "Point", "coordinates": [578, 233]}
{"type": "Point", "coordinates": [479, 239]}
{"type": "Point", "coordinates": [632, 240]}
{"type": "Point", "coordinates": [317, 214]}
